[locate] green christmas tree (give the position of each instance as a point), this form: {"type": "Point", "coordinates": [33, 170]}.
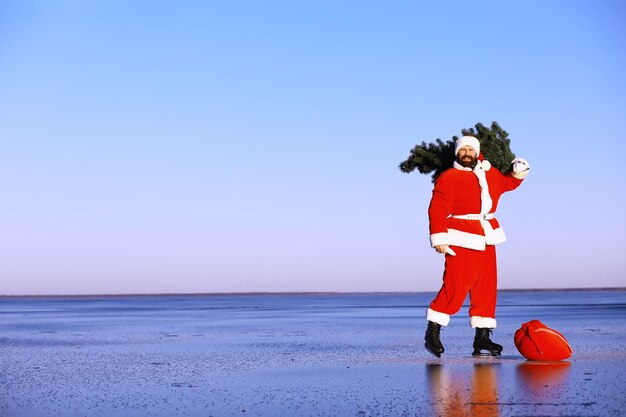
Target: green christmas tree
{"type": "Point", "coordinates": [438, 156]}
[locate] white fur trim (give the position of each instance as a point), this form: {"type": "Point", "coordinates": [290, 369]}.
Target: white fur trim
{"type": "Point", "coordinates": [437, 317]}
{"type": "Point", "coordinates": [467, 141]}
{"type": "Point", "coordinates": [485, 198]}
{"type": "Point", "coordinates": [437, 239]}
{"type": "Point", "coordinates": [495, 236]}
{"type": "Point", "coordinates": [492, 237]}
{"type": "Point", "coordinates": [466, 240]}
{"type": "Point", "coordinates": [469, 240]}
{"type": "Point", "coordinates": [482, 322]}
{"type": "Point", "coordinates": [520, 175]}
{"type": "Point", "coordinates": [486, 165]}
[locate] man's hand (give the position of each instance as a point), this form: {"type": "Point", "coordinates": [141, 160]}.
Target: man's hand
{"type": "Point", "coordinates": [445, 249]}
{"type": "Point", "coordinates": [520, 168]}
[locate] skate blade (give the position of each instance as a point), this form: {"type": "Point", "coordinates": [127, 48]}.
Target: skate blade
{"type": "Point", "coordinates": [478, 353]}
{"type": "Point", "coordinates": [437, 354]}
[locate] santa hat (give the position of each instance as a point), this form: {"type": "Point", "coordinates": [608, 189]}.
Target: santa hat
{"type": "Point", "coordinates": [486, 165]}
{"type": "Point", "coordinates": [467, 141]}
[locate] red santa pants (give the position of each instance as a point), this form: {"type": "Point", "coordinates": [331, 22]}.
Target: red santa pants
{"type": "Point", "coordinates": [470, 271]}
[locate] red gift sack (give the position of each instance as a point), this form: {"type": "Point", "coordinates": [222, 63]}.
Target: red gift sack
{"type": "Point", "coordinates": [537, 342]}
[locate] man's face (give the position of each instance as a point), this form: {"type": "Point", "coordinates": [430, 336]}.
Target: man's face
{"type": "Point", "coordinates": [467, 156]}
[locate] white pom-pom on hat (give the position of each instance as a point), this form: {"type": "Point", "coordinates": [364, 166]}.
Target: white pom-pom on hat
{"type": "Point", "coordinates": [467, 141]}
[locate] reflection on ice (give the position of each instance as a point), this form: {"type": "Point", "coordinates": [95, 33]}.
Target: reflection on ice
{"type": "Point", "coordinates": [457, 392]}
{"type": "Point", "coordinates": [475, 391]}
{"type": "Point", "coordinates": [541, 380]}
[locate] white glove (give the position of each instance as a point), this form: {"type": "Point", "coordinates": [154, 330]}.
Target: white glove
{"type": "Point", "coordinates": [521, 167]}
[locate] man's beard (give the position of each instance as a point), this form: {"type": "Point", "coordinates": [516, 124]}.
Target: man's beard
{"type": "Point", "coordinates": [467, 162]}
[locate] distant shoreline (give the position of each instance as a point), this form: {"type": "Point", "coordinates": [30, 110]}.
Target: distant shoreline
{"type": "Point", "coordinates": [294, 293]}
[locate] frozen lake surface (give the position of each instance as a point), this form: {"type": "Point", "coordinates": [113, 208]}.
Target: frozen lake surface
{"type": "Point", "coordinates": [305, 355]}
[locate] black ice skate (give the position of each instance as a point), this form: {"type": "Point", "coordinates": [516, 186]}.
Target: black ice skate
{"type": "Point", "coordinates": [482, 342]}
{"type": "Point", "coordinates": [433, 343]}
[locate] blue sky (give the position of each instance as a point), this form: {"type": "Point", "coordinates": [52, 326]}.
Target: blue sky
{"type": "Point", "coordinates": [153, 146]}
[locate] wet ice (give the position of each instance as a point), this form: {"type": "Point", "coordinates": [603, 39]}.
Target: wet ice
{"type": "Point", "coordinates": [269, 355]}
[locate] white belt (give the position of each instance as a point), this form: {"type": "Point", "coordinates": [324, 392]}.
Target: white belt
{"type": "Point", "coordinates": [487, 216]}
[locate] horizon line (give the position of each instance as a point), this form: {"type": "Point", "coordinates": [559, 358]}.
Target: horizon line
{"type": "Point", "coordinates": [293, 293]}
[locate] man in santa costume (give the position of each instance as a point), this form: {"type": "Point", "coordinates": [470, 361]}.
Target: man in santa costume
{"type": "Point", "coordinates": [463, 227]}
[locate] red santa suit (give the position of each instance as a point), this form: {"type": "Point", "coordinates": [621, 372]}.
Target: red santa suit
{"type": "Point", "coordinates": [461, 215]}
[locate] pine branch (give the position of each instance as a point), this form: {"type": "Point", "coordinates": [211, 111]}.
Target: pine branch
{"type": "Point", "coordinates": [438, 156]}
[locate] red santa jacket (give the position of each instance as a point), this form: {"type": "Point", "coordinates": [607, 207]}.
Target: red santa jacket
{"type": "Point", "coordinates": [457, 193]}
